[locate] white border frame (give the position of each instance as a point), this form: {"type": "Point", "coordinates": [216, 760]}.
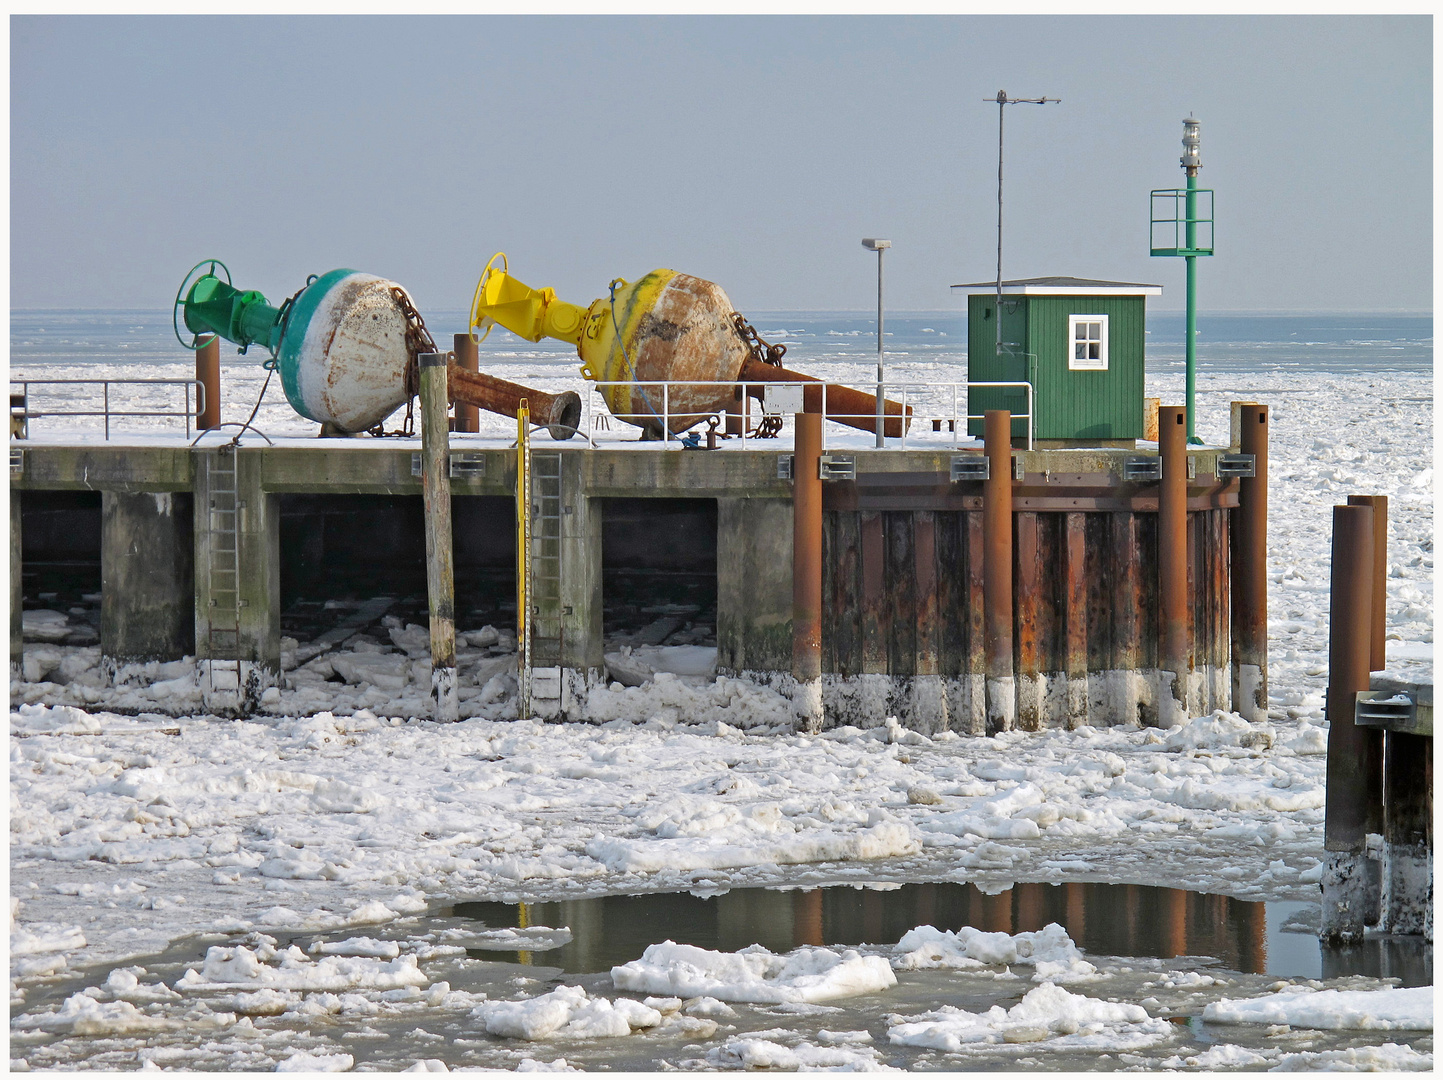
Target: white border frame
{"type": "Point", "coordinates": [1073, 364]}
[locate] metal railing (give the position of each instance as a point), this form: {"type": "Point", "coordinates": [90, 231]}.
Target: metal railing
{"type": "Point", "coordinates": [24, 413]}
{"type": "Point", "coordinates": [917, 396]}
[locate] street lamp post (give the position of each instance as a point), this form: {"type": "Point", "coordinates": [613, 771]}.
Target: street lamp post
{"type": "Point", "coordinates": [879, 246]}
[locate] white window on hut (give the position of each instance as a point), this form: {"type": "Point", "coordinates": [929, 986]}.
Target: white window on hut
{"type": "Point", "coordinates": [1089, 342]}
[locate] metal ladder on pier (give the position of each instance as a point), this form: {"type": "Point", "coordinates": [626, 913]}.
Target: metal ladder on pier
{"type": "Point", "coordinates": [545, 590]}
{"type": "Point", "coordinates": [223, 637]}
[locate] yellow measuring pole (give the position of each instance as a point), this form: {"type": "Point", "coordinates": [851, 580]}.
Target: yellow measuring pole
{"type": "Point", "coordinates": [523, 561]}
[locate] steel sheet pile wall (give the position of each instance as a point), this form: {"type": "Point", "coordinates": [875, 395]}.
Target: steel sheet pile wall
{"type": "Point", "coordinates": [903, 592]}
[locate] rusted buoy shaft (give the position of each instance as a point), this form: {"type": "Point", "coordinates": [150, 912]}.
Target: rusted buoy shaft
{"type": "Point", "coordinates": [1172, 652]}
{"type": "Point", "coordinates": [844, 405]}
{"type": "Point", "coordinates": [1351, 757]}
{"type": "Point", "coordinates": [207, 372]}
{"type": "Point", "coordinates": [1250, 572]}
{"type": "Point", "coordinates": [561, 413]}
{"type": "Point", "coordinates": [467, 359]}
{"type": "Point", "coordinates": [807, 570]}
{"type": "Point", "coordinates": [997, 571]}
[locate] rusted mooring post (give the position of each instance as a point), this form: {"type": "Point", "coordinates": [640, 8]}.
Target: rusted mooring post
{"type": "Point", "coordinates": [1378, 626]}
{"type": "Point", "coordinates": [807, 570]}
{"type": "Point", "coordinates": [1352, 757]}
{"type": "Point", "coordinates": [207, 371]}
{"type": "Point", "coordinates": [997, 571]}
{"type": "Point", "coordinates": [1172, 650]}
{"type": "Point", "coordinates": [1250, 571]}
{"type": "Point", "coordinates": [1377, 661]}
{"type": "Point", "coordinates": [436, 484]}
{"type": "Point", "coordinates": [468, 417]}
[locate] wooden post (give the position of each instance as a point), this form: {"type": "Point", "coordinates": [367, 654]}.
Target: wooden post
{"type": "Point", "coordinates": [468, 417]}
{"type": "Point", "coordinates": [1351, 759]}
{"type": "Point", "coordinates": [207, 370]}
{"type": "Point", "coordinates": [1250, 570]}
{"type": "Point", "coordinates": [436, 483]}
{"type": "Point", "coordinates": [997, 571]}
{"type": "Point", "coordinates": [1172, 565]}
{"type": "Point", "coordinates": [807, 570]}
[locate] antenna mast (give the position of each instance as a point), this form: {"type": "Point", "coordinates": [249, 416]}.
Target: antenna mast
{"type": "Point", "coordinates": [1002, 100]}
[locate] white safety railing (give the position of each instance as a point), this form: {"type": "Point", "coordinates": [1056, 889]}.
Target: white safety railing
{"type": "Point", "coordinates": [21, 403]}
{"type": "Point", "coordinates": [934, 403]}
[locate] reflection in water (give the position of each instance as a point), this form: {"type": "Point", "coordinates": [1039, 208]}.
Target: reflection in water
{"type": "Point", "coordinates": [1103, 919]}
{"type": "Point", "coordinates": [1117, 920]}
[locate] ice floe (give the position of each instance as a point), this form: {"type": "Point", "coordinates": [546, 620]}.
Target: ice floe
{"type": "Point", "coordinates": [1397, 1009]}
{"type": "Point", "coordinates": [754, 974]}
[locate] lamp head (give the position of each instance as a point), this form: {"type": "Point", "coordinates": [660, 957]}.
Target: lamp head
{"type": "Point", "coordinates": [872, 244]}
{"type": "Point", "coordinates": [1191, 159]}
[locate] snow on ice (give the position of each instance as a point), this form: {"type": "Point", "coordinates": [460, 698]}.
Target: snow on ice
{"type": "Point", "coordinates": [136, 819]}
{"type": "Point", "coordinates": [1362, 1010]}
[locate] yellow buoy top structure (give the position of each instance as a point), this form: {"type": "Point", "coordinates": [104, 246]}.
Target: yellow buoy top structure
{"type": "Point", "coordinates": [663, 328]}
{"type": "Point", "coordinates": [666, 350]}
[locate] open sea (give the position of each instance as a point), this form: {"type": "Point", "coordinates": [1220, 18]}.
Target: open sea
{"type": "Point", "coordinates": [1259, 357]}
{"type": "Point", "coordinates": [57, 342]}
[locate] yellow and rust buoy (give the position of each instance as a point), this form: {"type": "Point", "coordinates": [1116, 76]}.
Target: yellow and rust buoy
{"type": "Point", "coordinates": [663, 327]}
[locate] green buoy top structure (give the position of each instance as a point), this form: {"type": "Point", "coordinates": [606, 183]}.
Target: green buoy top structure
{"type": "Point", "coordinates": [340, 344]}
{"type": "Point", "coordinates": [1182, 227]}
{"type": "Point", "coordinates": [1077, 341]}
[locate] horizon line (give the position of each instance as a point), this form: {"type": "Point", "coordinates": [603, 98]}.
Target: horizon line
{"type": "Point", "coordinates": [1411, 312]}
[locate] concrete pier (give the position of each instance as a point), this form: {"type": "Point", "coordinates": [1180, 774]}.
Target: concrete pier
{"type": "Point", "coordinates": [754, 585]}
{"type": "Point", "coordinates": [904, 624]}
{"type": "Point", "coordinates": [147, 577]}
{"type": "Point", "coordinates": [579, 614]}
{"type": "Point", "coordinates": [17, 593]}
{"type": "Point", "coordinates": [237, 578]}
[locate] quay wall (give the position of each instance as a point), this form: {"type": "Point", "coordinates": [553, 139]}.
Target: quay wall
{"type": "Point", "coordinates": [902, 559]}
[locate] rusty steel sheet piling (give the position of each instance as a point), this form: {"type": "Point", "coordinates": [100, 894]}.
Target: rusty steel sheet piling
{"type": "Point", "coordinates": [560, 413]}
{"type": "Point", "coordinates": [1028, 621]}
{"type": "Point", "coordinates": [874, 593]}
{"type": "Point", "coordinates": [207, 371]}
{"type": "Point", "coordinates": [1075, 618]}
{"type": "Point", "coordinates": [468, 418]}
{"type": "Point", "coordinates": [846, 406]}
{"type": "Point", "coordinates": [997, 571]}
{"type": "Point", "coordinates": [436, 487]}
{"type": "Point", "coordinates": [1250, 571]}
{"type": "Point", "coordinates": [807, 570]}
{"type": "Point", "coordinates": [1124, 591]}
{"type": "Point", "coordinates": [1172, 566]}
{"type": "Point", "coordinates": [929, 697]}
{"type": "Point", "coordinates": [1352, 757]}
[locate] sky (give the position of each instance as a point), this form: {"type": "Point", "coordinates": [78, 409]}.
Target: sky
{"type": "Point", "coordinates": [754, 151]}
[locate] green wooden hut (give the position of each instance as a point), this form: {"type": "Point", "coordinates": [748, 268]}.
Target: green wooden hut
{"type": "Point", "coordinates": [1078, 341]}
